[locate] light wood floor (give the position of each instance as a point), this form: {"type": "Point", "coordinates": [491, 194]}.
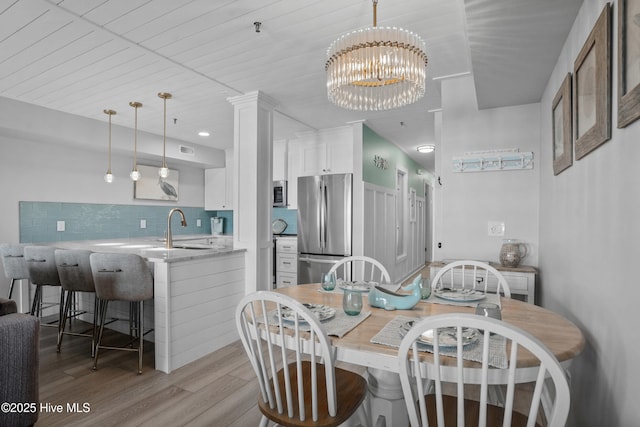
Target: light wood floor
{"type": "Point", "coordinates": [217, 390]}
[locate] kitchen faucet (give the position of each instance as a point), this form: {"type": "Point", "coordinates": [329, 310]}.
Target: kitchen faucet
{"type": "Point", "coordinates": [183, 222]}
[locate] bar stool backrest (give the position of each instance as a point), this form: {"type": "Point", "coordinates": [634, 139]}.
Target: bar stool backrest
{"type": "Point", "coordinates": [41, 264]}
{"type": "Point", "coordinates": [74, 269]}
{"type": "Point", "coordinates": [13, 261]}
{"type": "Point", "coordinates": [121, 277]}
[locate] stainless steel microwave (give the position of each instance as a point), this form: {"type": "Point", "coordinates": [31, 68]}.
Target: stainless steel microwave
{"type": "Point", "coordinates": [280, 193]}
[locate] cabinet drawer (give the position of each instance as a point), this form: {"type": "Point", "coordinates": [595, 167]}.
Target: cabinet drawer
{"type": "Point", "coordinates": [287, 262]}
{"type": "Point", "coordinates": [286, 279]}
{"type": "Point", "coordinates": [287, 245]}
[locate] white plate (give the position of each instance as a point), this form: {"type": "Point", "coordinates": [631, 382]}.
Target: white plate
{"type": "Point", "coordinates": [322, 312]}
{"type": "Point", "coordinates": [447, 336]}
{"type": "Point", "coordinates": [459, 295]}
{"type": "Point", "coordinates": [357, 286]}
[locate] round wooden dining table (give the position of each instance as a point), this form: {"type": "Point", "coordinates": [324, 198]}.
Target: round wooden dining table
{"type": "Point", "coordinates": [561, 336]}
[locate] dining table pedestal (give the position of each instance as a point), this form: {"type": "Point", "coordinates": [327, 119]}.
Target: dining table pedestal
{"type": "Point", "coordinates": [386, 397]}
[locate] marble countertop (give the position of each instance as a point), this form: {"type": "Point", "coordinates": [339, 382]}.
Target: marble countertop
{"type": "Point", "coordinates": [153, 248]}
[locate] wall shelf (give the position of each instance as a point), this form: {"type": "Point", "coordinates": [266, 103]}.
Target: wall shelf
{"type": "Point", "coordinates": [493, 161]}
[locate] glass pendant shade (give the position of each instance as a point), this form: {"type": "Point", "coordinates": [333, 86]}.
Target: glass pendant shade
{"type": "Point", "coordinates": [108, 177]}
{"type": "Point", "coordinates": [376, 68]}
{"type": "Point", "coordinates": [135, 174]}
{"type": "Point", "coordinates": [164, 171]}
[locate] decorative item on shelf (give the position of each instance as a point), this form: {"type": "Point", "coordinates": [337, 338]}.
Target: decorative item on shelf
{"type": "Point", "coordinates": [376, 68]}
{"type": "Point", "coordinates": [164, 170]}
{"type": "Point", "coordinates": [512, 252]}
{"type": "Point", "coordinates": [108, 177]}
{"type": "Point", "coordinates": [494, 160]}
{"type": "Point", "coordinates": [135, 174]}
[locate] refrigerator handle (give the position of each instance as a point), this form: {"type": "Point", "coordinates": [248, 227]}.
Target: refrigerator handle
{"type": "Point", "coordinates": [324, 215]}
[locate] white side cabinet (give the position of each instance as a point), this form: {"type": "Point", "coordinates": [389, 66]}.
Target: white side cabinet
{"type": "Point", "coordinates": [218, 189]}
{"type": "Point", "coordinates": [521, 280]}
{"type": "Point", "coordinates": [286, 261]}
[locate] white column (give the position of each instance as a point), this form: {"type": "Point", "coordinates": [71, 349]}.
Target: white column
{"type": "Point", "coordinates": [358, 189]}
{"type": "Point", "coordinates": [253, 162]}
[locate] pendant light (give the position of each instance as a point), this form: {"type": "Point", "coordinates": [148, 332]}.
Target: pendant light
{"type": "Point", "coordinates": [135, 174]}
{"type": "Point", "coordinates": [108, 177]}
{"type": "Point", "coordinates": [164, 171]}
{"type": "Point", "coordinates": [376, 68]}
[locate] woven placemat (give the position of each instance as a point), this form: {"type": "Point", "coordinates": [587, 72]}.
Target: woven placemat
{"type": "Point", "coordinates": [337, 326]}
{"type": "Point", "coordinates": [390, 336]}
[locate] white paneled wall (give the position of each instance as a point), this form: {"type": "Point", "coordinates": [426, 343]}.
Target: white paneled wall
{"type": "Point", "coordinates": [380, 243]}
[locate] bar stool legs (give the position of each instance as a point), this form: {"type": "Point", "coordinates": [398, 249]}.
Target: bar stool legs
{"type": "Point", "coordinates": [136, 318]}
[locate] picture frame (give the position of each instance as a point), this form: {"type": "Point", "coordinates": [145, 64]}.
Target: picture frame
{"type": "Point", "coordinates": [592, 88]}
{"type": "Point", "coordinates": [628, 62]}
{"type": "Point", "coordinates": [151, 186]}
{"type": "Point", "coordinates": [561, 127]}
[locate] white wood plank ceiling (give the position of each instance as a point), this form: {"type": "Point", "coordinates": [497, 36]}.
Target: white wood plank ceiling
{"type": "Point", "coordinates": [82, 56]}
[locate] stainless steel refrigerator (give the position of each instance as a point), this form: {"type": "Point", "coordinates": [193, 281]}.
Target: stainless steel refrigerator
{"type": "Point", "coordinates": [324, 223]}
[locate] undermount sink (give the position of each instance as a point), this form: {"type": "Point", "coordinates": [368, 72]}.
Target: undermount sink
{"type": "Point", "coordinates": [193, 246]}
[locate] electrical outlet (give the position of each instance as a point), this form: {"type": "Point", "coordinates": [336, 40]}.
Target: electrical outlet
{"type": "Point", "coordinates": [60, 226]}
{"type": "Point", "coordinates": [143, 223]}
{"type": "Point", "coordinates": [496, 228]}
{"type": "Point", "coordinates": [198, 222]}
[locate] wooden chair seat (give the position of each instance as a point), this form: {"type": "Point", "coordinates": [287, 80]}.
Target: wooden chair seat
{"type": "Point", "coordinates": [351, 390]}
{"type": "Point", "coordinates": [495, 414]}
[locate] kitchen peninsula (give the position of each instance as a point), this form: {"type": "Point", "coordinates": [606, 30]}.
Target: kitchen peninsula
{"type": "Point", "coordinates": [197, 285]}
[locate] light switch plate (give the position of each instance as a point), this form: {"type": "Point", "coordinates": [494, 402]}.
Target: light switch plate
{"type": "Point", "coordinates": [496, 228]}
{"type": "Point", "coordinates": [143, 223]}
{"type": "Point", "coordinates": [60, 225]}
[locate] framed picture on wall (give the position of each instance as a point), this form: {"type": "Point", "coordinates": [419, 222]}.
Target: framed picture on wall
{"type": "Point", "coordinates": [561, 128]}
{"type": "Point", "coordinates": [592, 88]}
{"type": "Point", "coordinates": [151, 186]}
{"type": "Point", "coordinates": [628, 62]}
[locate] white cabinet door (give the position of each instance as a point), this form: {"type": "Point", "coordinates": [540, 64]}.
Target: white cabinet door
{"type": "Point", "coordinates": [339, 157]}
{"type": "Point", "coordinates": [319, 158]}
{"type": "Point", "coordinates": [217, 193]}
{"type": "Point", "coordinates": [279, 160]}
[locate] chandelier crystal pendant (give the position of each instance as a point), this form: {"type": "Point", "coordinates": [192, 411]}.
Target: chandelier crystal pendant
{"type": "Point", "coordinates": [164, 170]}
{"type": "Point", "coordinates": [376, 68]}
{"type": "Point", "coordinates": [108, 177]}
{"type": "Point", "coordinates": [135, 174]}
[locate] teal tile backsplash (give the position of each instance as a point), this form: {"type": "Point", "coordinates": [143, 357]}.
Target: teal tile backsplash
{"type": "Point", "coordinates": [90, 221]}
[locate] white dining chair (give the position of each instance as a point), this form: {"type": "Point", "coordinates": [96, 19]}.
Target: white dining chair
{"type": "Point", "coordinates": [310, 389]}
{"type": "Point", "coordinates": [359, 267]}
{"type": "Point", "coordinates": [468, 274]}
{"type": "Point", "coordinates": [437, 408]}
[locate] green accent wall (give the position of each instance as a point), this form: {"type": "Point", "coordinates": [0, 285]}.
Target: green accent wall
{"type": "Point", "coordinates": [374, 145]}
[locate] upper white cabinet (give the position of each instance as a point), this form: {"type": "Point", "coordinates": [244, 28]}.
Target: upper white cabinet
{"type": "Point", "coordinates": [323, 157]}
{"type": "Point", "coordinates": [217, 194]}
{"type": "Point", "coordinates": [280, 160]}
{"type": "Point", "coordinates": [218, 186]}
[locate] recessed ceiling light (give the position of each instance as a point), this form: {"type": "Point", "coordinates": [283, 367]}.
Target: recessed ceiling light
{"type": "Point", "coordinates": [203, 133]}
{"type": "Point", "coordinates": [427, 148]}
